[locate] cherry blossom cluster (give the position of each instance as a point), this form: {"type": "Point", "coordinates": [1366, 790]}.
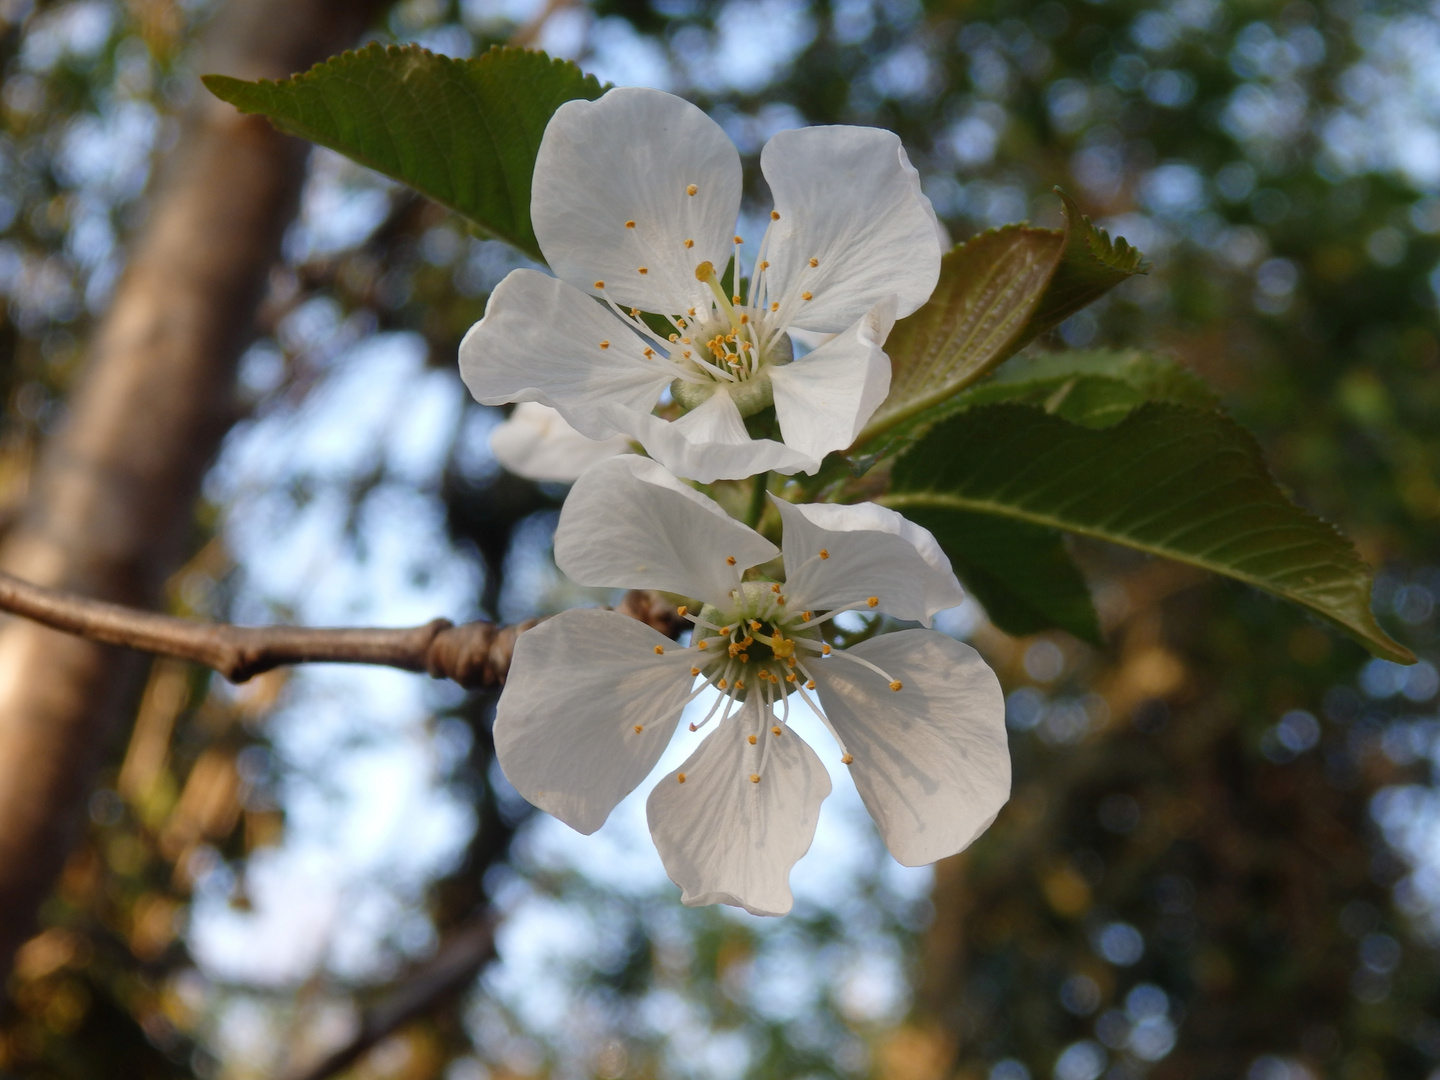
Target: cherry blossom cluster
{"type": "Point", "coordinates": [659, 332]}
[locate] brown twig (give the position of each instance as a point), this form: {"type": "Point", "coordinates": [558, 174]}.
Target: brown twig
{"type": "Point", "coordinates": [456, 963]}
{"type": "Point", "coordinates": [473, 654]}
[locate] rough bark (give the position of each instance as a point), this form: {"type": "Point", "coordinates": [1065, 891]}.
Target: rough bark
{"type": "Point", "coordinates": [110, 513]}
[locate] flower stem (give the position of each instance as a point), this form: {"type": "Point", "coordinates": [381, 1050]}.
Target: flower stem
{"type": "Point", "coordinates": [757, 500]}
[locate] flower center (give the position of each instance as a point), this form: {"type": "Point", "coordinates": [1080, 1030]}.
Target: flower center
{"type": "Point", "coordinates": [761, 642]}
{"type": "Point", "coordinates": [735, 356]}
{"type": "Point", "coordinates": [723, 344]}
{"type": "Point", "coordinates": [756, 650]}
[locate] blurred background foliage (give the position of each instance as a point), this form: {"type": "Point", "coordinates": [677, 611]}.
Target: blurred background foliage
{"type": "Point", "coordinates": [1222, 857]}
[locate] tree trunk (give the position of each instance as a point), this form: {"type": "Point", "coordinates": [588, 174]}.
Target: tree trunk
{"type": "Point", "coordinates": [110, 513]}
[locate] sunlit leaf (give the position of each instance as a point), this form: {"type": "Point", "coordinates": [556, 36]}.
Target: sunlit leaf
{"type": "Point", "coordinates": [462, 132]}
{"type": "Point", "coordinates": [1184, 483]}
{"type": "Point", "coordinates": [1097, 387]}
{"type": "Point", "coordinates": [997, 292]}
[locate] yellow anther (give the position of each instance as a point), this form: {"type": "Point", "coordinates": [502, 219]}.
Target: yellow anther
{"type": "Point", "coordinates": [824, 650]}
{"type": "Point", "coordinates": [752, 739]}
{"type": "Point", "coordinates": [774, 305]}
{"type": "Point", "coordinates": [629, 224]}
{"type": "Point", "coordinates": [691, 190]}
{"type": "Point", "coordinates": [847, 759]}
{"type": "Point", "coordinates": [814, 263]}
{"type": "Point", "coordinates": [738, 240]}
{"type": "Point", "coordinates": [703, 644]}
{"type": "Point", "coordinates": [790, 677]}
{"type": "Point", "coordinates": [897, 685]}
{"type": "Point", "coordinates": [740, 683]}
{"type": "Point", "coordinates": [649, 353]}
{"type": "Point", "coordinates": [872, 601]}
{"type": "Point", "coordinates": [646, 270]}
{"type": "Point", "coordinates": [694, 671]}
{"type": "Point", "coordinates": [803, 295]}
{"type": "Point", "coordinates": [634, 312]}
{"type": "Point", "coordinates": [744, 659]}
{"type": "Point", "coordinates": [764, 673]}
{"type": "Point", "coordinates": [735, 299]}
{"type": "Point", "coordinates": [726, 630]}
{"type": "Point", "coordinates": [605, 344]}
{"type": "Point", "coordinates": [734, 648]}
{"type": "Point", "coordinates": [681, 610]}
{"type": "Point", "coordinates": [639, 728]}
{"type": "Point", "coordinates": [754, 778]}
{"type": "Point", "coordinates": [755, 624]}
{"type": "Point", "coordinates": [704, 272]}
{"type": "Point", "coordinates": [824, 553]}
{"type": "Point", "coordinates": [765, 264]}
{"type": "Point", "coordinates": [775, 588]}
{"type": "Point", "coordinates": [775, 731]}
{"type": "Point", "coordinates": [599, 284]}
{"type": "Point", "coordinates": [747, 642]}
{"type": "Point", "coordinates": [806, 616]}
{"type": "Point", "coordinates": [674, 337]}
{"type": "Point", "coordinates": [810, 685]}
{"type": "Point", "coordinates": [689, 243]}
{"type": "Point", "coordinates": [729, 560]}
{"type": "Point", "coordinates": [722, 684]}
{"type": "Point", "coordinates": [680, 776]}
{"type": "Point", "coordinates": [659, 650]}
{"type": "Point", "coordinates": [688, 354]}
{"type": "Point", "coordinates": [692, 728]}
{"type": "Point", "coordinates": [691, 311]}
{"type": "Point", "coordinates": [780, 600]}
{"type": "Point", "coordinates": [744, 318]}
{"type": "Point", "coordinates": [774, 215]}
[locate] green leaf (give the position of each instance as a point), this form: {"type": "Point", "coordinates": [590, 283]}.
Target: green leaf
{"type": "Point", "coordinates": [997, 292]}
{"type": "Point", "coordinates": [1090, 266]}
{"type": "Point", "coordinates": [1096, 388]}
{"type": "Point", "coordinates": [1021, 573]}
{"type": "Point", "coordinates": [462, 132]}
{"type": "Point", "coordinates": [1174, 481]}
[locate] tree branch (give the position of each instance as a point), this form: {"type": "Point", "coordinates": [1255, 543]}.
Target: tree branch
{"type": "Point", "coordinates": [473, 654]}
{"type": "Point", "coordinates": [455, 964]}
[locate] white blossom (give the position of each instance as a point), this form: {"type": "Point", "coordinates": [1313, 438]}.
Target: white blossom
{"type": "Point", "coordinates": [593, 697]}
{"type": "Point", "coordinates": [634, 203]}
{"type": "Point", "coordinates": [535, 442]}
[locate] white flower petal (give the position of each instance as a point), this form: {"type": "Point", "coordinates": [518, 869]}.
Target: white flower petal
{"type": "Point", "coordinates": [578, 687]}
{"type": "Point", "coordinates": [824, 398]}
{"type": "Point", "coordinates": [849, 198]}
{"type": "Point", "coordinates": [540, 340]}
{"type": "Point", "coordinates": [535, 442]}
{"type": "Point", "coordinates": [726, 840]}
{"type": "Point", "coordinates": [633, 156]}
{"type": "Point", "coordinates": [870, 551]}
{"type": "Point", "coordinates": [709, 442]}
{"type": "Point", "coordinates": [931, 760]}
{"type": "Point", "coordinates": [629, 524]}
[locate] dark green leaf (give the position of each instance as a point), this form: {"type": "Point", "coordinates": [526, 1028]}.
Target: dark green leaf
{"type": "Point", "coordinates": [1184, 483]}
{"type": "Point", "coordinates": [463, 132]}
{"type": "Point", "coordinates": [997, 292]}
{"type": "Point", "coordinates": [1021, 573]}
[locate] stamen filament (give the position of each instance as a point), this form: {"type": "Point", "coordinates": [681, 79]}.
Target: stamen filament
{"type": "Point", "coordinates": [858, 605]}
